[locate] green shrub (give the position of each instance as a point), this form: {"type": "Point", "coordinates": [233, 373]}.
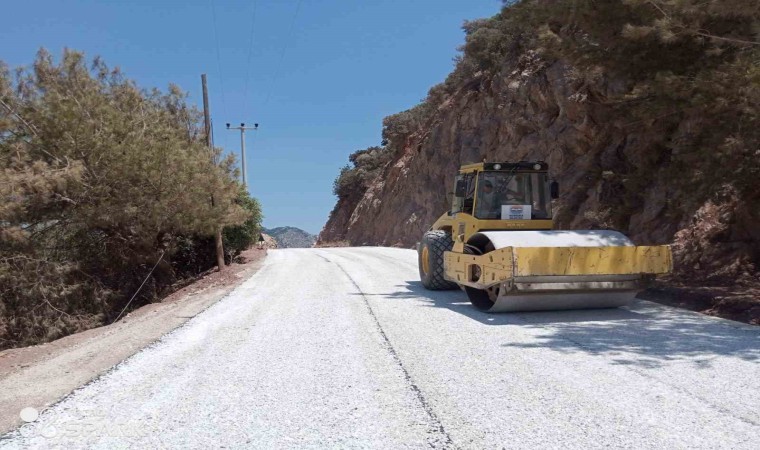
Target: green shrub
{"type": "Point", "coordinates": [241, 237]}
{"type": "Point", "coordinates": [353, 180]}
{"type": "Point", "coordinates": [98, 180]}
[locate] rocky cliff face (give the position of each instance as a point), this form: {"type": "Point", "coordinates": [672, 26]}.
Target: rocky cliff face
{"type": "Point", "coordinates": [534, 109]}
{"type": "Point", "coordinates": [269, 241]}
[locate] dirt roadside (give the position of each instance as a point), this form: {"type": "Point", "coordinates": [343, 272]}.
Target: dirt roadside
{"type": "Point", "coordinates": [40, 375]}
{"type": "Point", "coordinates": [739, 303]}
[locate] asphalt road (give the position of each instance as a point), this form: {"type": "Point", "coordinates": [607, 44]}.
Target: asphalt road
{"type": "Point", "coordinates": [344, 348]}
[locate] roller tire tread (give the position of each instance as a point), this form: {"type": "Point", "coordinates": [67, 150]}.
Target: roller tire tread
{"type": "Point", "coordinates": [438, 242]}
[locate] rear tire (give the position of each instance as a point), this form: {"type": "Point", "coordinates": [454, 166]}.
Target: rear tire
{"type": "Point", "coordinates": [430, 260]}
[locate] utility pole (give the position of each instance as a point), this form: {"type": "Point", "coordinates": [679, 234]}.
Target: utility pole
{"type": "Point", "coordinates": [207, 120]}
{"type": "Point", "coordinates": [206, 111]}
{"type": "Point", "coordinates": [242, 129]}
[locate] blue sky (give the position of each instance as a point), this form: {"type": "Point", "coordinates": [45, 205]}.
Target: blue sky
{"type": "Point", "coordinates": [319, 82]}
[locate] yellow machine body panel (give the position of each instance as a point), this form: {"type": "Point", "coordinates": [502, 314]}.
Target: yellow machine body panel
{"type": "Point", "coordinates": [472, 168]}
{"type": "Point", "coordinates": [623, 260]}
{"type": "Point", "coordinates": [462, 226]}
{"type": "Point", "coordinates": [505, 264]}
{"type": "Point", "coordinates": [496, 267]}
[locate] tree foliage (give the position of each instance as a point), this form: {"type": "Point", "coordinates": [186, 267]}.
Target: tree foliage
{"type": "Point", "coordinates": [98, 179]}
{"type": "Point", "coordinates": [366, 164]}
{"type": "Point", "coordinates": [242, 236]}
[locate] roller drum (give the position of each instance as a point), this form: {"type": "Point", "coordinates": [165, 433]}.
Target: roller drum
{"type": "Point", "coordinates": [554, 292]}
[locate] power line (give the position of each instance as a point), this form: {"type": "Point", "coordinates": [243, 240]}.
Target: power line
{"type": "Point", "coordinates": [250, 54]}
{"type": "Point", "coordinates": [141, 286]}
{"type": "Point", "coordinates": [219, 63]}
{"type": "Point", "coordinates": [282, 54]}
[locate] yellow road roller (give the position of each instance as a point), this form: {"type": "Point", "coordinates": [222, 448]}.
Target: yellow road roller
{"type": "Point", "coordinates": [498, 244]}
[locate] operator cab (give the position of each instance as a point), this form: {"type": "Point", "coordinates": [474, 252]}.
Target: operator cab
{"type": "Point", "coordinates": [505, 191]}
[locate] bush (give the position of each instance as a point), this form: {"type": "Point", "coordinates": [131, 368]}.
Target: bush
{"type": "Point", "coordinates": [98, 180]}
{"type": "Point", "coordinates": [367, 165]}
{"type": "Point", "coordinates": [398, 126]}
{"type": "Point", "coordinates": [242, 237]}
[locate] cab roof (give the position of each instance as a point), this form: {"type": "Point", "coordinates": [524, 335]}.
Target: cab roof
{"type": "Point", "coordinates": [505, 166]}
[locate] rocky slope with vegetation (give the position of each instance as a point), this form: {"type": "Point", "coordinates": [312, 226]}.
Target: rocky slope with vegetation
{"type": "Point", "coordinates": [103, 184]}
{"type": "Point", "coordinates": [646, 111]}
{"type": "Point", "coordinates": [291, 237]}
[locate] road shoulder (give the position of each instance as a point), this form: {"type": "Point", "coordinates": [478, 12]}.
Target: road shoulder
{"type": "Point", "coordinates": [39, 376]}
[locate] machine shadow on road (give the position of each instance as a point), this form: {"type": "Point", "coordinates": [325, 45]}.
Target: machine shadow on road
{"type": "Point", "coordinates": [645, 335]}
{"type": "Point", "coordinates": [457, 301]}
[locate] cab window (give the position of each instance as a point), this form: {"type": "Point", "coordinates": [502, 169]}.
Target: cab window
{"type": "Point", "coordinates": [496, 189]}
{"type": "Point", "coordinates": [464, 194]}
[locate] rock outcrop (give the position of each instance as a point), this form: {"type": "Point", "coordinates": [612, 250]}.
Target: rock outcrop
{"type": "Point", "coordinates": [269, 241]}
{"type": "Point", "coordinates": [534, 109]}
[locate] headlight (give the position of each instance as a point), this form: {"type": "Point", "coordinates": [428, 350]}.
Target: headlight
{"type": "Point", "coordinates": [537, 166]}
{"type": "Point", "coordinates": [497, 166]}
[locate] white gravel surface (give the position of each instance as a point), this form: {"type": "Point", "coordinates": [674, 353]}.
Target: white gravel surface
{"type": "Point", "coordinates": [344, 348]}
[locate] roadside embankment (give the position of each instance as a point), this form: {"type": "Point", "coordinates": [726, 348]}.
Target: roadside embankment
{"type": "Point", "coordinates": [40, 375]}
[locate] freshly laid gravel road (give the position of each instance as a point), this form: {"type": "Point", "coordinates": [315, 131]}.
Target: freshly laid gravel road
{"type": "Point", "coordinates": [326, 348]}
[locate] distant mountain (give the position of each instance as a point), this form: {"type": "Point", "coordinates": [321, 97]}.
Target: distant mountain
{"type": "Point", "coordinates": [291, 237]}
